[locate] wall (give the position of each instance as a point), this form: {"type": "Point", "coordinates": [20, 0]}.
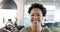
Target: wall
{"type": "Point", "coordinates": [19, 14]}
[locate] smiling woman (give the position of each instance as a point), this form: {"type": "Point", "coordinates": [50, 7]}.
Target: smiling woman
{"type": "Point", "coordinates": [36, 12]}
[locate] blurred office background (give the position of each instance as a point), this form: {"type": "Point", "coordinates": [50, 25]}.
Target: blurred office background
{"type": "Point", "coordinates": [18, 13]}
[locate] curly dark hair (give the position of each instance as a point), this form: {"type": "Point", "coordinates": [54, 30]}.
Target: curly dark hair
{"type": "Point", "coordinates": [37, 5]}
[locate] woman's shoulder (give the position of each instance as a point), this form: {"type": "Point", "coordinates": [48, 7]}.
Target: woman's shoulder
{"type": "Point", "coordinates": [45, 29]}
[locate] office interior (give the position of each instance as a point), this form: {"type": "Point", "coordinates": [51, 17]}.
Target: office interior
{"type": "Point", "coordinates": [17, 13]}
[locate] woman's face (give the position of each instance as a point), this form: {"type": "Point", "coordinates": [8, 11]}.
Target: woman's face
{"type": "Point", "coordinates": [36, 16]}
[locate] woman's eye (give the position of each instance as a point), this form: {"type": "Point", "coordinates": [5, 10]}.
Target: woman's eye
{"type": "Point", "coordinates": [38, 15]}
{"type": "Point", "coordinates": [32, 15]}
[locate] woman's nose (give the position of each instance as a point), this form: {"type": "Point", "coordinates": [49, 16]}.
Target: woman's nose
{"type": "Point", "coordinates": [35, 17]}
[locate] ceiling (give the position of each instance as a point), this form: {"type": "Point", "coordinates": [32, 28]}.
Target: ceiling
{"type": "Point", "coordinates": [44, 1]}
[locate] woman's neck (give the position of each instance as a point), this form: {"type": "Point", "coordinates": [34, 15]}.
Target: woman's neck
{"type": "Point", "coordinates": [36, 29]}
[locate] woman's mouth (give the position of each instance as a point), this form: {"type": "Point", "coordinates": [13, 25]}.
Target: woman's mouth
{"type": "Point", "coordinates": [35, 22]}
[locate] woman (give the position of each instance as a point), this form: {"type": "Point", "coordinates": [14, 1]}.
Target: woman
{"type": "Point", "coordinates": [37, 12]}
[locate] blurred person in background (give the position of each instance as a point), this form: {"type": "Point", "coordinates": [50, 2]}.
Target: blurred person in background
{"type": "Point", "coordinates": [9, 27]}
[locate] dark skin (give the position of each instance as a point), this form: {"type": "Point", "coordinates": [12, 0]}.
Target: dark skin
{"type": "Point", "coordinates": [36, 18]}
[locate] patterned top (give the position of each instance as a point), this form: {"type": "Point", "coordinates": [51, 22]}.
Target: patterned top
{"type": "Point", "coordinates": [28, 29]}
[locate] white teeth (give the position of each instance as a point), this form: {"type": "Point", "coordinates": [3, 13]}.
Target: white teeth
{"type": "Point", "coordinates": [35, 21]}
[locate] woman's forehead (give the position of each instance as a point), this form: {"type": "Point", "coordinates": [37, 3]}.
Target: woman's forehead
{"type": "Point", "coordinates": [36, 10]}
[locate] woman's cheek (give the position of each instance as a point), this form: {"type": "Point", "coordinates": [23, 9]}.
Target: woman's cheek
{"type": "Point", "coordinates": [31, 19]}
{"type": "Point", "coordinates": [41, 18]}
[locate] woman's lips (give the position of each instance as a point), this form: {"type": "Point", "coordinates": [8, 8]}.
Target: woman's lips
{"type": "Point", "coordinates": [35, 22]}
